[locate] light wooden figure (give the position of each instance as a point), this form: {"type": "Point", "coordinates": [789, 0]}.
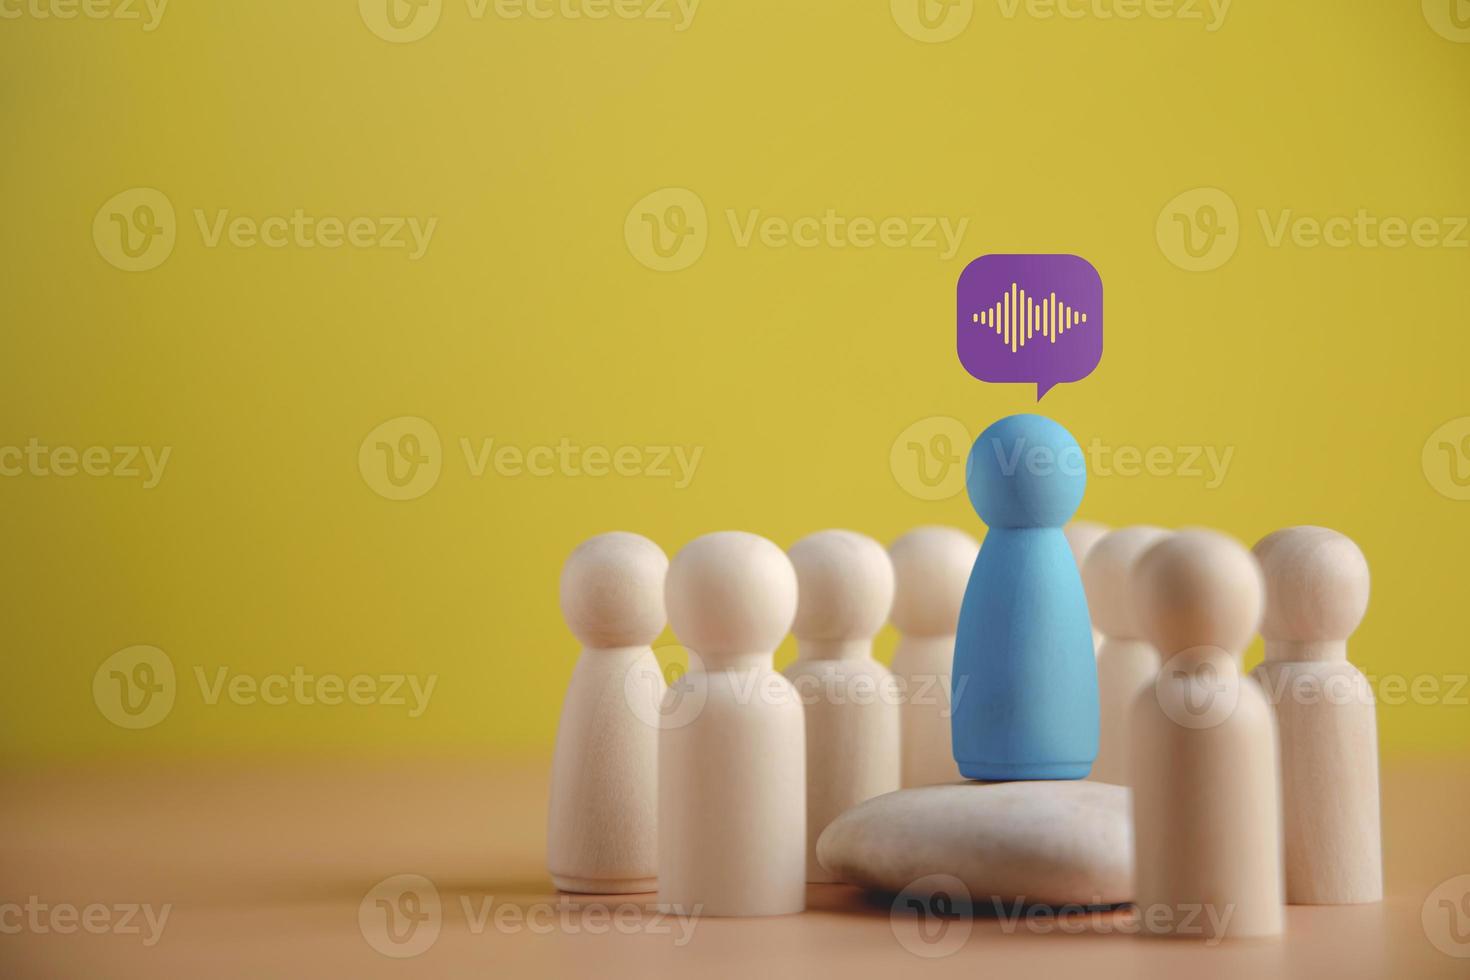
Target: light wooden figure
{"type": "Point", "coordinates": [1081, 537]}
{"type": "Point", "coordinates": [732, 746]}
{"type": "Point", "coordinates": [602, 836]}
{"type": "Point", "coordinates": [1126, 663]}
{"type": "Point", "coordinates": [1203, 760]}
{"type": "Point", "coordinates": [1316, 594]}
{"type": "Point", "coordinates": [845, 591]}
{"type": "Point", "coordinates": [931, 566]}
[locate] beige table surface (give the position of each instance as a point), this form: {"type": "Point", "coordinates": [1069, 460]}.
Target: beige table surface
{"type": "Point", "coordinates": [263, 868]}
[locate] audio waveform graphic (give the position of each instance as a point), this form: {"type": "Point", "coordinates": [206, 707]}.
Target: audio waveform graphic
{"type": "Point", "coordinates": [1016, 317]}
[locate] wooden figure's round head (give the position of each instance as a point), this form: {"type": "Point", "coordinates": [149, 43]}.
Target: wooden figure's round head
{"type": "Point", "coordinates": [844, 586]}
{"type": "Point", "coordinates": [1025, 471]}
{"type": "Point", "coordinates": [1316, 585]}
{"type": "Point", "coordinates": [1108, 577]}
{"type": "Point", "coordinates": [612, 591]}
{"type": "Point", "coordinates": [731, 593]}
{"type": "Point", "coordinates": [1082, 536]}
{"type": "Point", "coordinates": [931, 567]}
{"type": "Point", "coordinates": [1198, 588]}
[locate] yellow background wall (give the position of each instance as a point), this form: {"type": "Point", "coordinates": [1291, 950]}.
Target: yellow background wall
{"type": "Point", "coordinates": [793, 370]}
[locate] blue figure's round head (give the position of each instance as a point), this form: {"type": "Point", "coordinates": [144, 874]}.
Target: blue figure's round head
{"type": "Point", "coordinates": [1025, 471]}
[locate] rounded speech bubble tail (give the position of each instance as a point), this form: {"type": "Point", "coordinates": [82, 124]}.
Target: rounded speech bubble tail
{"type": "Point", "coordinates": [1042, 387]}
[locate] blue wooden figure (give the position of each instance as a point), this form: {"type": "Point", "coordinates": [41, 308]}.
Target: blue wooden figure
{"type": "Point", "coordinates": [1024, 686]}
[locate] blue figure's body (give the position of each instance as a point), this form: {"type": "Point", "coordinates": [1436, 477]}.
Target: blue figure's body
{"type": "Point", "coordinates": [1024, 686]}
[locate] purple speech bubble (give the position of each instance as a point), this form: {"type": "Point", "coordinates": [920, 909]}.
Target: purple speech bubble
{"type": "Point", "coordinates": [1029, 318]}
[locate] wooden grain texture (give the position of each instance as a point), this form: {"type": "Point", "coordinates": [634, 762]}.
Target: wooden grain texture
{"type": "Point", "coordinates": [1126, 663]}
{"type": "Point", "coordinates": [602, 832]}
{"type": "Point", "coordinates": [732, 738]}
{"type": "Point", "coordinates": [1203, 758]}
{"type": "Point", "coordinates": [931, 566]}
{"type": "Point", "coordinates": [1317, 586]}
{"type": "Point", "coordinates": [844, 594]}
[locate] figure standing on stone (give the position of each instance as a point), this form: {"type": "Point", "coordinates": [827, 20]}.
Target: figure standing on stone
{"type": "Point", "coordinates": [1025, 677]}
